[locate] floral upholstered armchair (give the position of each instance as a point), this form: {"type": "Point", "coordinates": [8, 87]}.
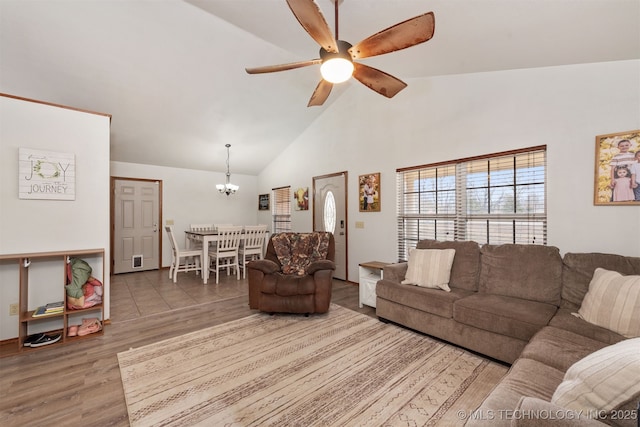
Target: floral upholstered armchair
{"type": "Point", "coordinates": [296, 274]}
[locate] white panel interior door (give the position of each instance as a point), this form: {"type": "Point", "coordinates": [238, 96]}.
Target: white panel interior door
{"type": "Point", "coordinates": [136, 234]}
{"type": "Point", "coordinates": [330, 214]}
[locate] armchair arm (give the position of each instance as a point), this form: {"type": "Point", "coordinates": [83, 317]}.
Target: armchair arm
{"type": "Point", "coordinates": [395, 272]}
{"type": "Point", "coordinates": [265, 265]}
{"type": "Point", "coordinates": [324, 264]}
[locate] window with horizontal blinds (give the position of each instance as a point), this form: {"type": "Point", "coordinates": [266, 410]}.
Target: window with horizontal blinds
{"type": "Point", "coordinates": [499, 198]}
{"type": "Point", "coordinates": [281, 210]}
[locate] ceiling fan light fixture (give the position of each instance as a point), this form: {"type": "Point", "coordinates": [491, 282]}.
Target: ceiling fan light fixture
{"type": "Point", "coordinates": [337, 67]}
{"type": "Point", "coordinates": [402, 35]}
{"type": "Point", "coordinates": [336, 70]}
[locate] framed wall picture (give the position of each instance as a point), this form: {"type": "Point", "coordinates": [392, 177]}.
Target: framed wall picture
{"type": "Point", "coordinates": [263, 202]}
{"type": "Point", "coordinates": [617, 171]}
{"type": "Point", "coordinates": [46, 175]}
{"type": "Point", "coordinates": [301, 197]}
{"type": "Point", "coordinates": [369, 192]}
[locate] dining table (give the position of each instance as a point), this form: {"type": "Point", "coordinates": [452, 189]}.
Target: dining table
{"type": "Point", "coordinates": [206, 238]}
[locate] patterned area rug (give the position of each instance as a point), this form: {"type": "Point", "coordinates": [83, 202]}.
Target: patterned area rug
{"type": "Point", "coordinates": [340, 369]}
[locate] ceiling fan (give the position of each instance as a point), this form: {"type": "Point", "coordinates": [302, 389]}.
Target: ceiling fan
{"type": "Point", "coordinates": [336, 55]}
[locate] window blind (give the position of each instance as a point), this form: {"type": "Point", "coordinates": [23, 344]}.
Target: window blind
{"type": "Point", "coordinates": [281, 211]}
{"type": "Point", "coordinates": [498, 198]}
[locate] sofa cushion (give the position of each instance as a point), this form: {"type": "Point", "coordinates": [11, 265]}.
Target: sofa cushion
{"type": "Point", "coordinates": [578, 269]}
{"type": "Point", "coordinates": [430, 268]}
{"type": "Point", "coordinates": [602, 381]}
{"type": "Point", "coordinates": [513, 317]}
{"type": "Point", "coordinates": [530, 272]}
{"type": "Point", "coordinates": [559, 348]}
{"type": "Point", "coordinates": [563, 319]}
{"type": "Point", "coordinates": [432, 301]}
{"type": "Point", "coordinates": [466, 264]}
{"type": "Point", "coordinates": [525, 378]}
{"type": "Point", "coordinates": [534, 412]}
{"type": "Point", "coordinates": [613, 302]}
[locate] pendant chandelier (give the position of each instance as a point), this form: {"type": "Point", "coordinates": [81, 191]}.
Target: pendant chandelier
{"type": "Point", "coordinates": [227, 188]}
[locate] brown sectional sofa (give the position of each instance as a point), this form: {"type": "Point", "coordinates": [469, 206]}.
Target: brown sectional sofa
{"type": "Point", "coordinates": [512, 303]}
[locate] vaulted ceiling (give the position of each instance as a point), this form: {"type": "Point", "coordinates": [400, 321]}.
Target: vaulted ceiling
{"type": "Point", "coordinates": [171, 72]}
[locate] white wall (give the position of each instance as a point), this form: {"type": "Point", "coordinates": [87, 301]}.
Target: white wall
{"type": "Point", "coordinates": [190, 197]}
{"type": "Point", "coordinates": [52, 225]}
{"type": "Point", "coordinates": [451, 117]}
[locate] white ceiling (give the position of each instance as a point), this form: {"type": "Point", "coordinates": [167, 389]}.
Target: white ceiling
{"type": "Point", "coordinates": [171, 72]}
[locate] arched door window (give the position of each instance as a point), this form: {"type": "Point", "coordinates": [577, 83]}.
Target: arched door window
{"type": "Point", "coordinates": [329, 214]}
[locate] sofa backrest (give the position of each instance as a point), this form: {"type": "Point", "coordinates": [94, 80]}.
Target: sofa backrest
{"type": "Point", "coordinates": [531, 272]}
{"type": "Point", "coordinates": [578, 269]}
{"type": "Point", "coordinates": [465, 269]}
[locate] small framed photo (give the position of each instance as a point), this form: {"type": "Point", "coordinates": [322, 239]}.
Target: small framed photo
{"type": "Point", "coordinates": [301, 197]}
{"type": "Point", "coordinates": [369, 192]}
{"type": "Point", "coordinates": [263, 202]}
{"type": "Point", "coordinates": [617, 171]}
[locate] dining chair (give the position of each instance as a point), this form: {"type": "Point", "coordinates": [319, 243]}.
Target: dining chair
{"type": "Point", "coordinates": [182, 260]}
{"type": "Point", "coordinates": [195, 243]}
{"type": "Point", "coordinates": [225, 254]}
{"type": "Point", "coordinates": [252, 246]}
{"type": "Point", "coordinates": [201, 227]}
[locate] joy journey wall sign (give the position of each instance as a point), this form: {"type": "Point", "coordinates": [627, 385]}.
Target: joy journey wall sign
{"type": "Point", "coordinates": [46, 175]}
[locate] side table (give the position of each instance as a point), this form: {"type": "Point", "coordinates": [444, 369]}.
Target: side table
{"type": "Point", "coordinates": [370, 273]}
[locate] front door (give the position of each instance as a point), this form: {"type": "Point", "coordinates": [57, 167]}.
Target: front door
{"type": "Point", "coordinates": [330, 214]}
{"type": "Point", "coordinates": [136, 225]}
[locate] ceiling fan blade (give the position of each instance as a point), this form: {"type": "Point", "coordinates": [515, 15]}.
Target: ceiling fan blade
{"type": "Point", "coordinates": [379, 81]}
{"type": "Point", "coordinates": [400, 36]}
{"type": "Point", "coordinates": [321, 93]}
{"type": "Point", "coordinates": [310, 17]}
{"type": "Point", "coordinates": [282, 67]}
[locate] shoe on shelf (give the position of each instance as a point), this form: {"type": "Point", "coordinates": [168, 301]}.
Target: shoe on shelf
{"type": "Point", "coordinates": [73, 331]}
{"type": "Point", "coordinates": [89, 326]}
{"type": "Point", "coordinates": [46, 340]}
{"type": "Point", "coordinates": [32, 338]}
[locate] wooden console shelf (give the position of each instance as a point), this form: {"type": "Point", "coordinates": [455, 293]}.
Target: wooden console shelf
{"type": "Point", "coordinates": [41, 277]}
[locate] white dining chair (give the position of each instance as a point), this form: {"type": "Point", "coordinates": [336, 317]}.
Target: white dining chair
{"type": "Point", "coordinates": [252, 246]}
{"type": "Point", "coordinates": [194, 242]}
{"type": "Point", "coordinates": [201, 227]}
{"type": "Point", "coordinates": [182, 260]}
{"type": "Point", "coordinates": [225, 254]}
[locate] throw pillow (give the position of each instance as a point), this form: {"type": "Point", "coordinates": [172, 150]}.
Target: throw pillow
{"type": "Point", "coordinates": [430, 268]}
{"type": "Point", "coordinates": [602, 381]}
{"type": "Point", "coordinates": [613, 302]}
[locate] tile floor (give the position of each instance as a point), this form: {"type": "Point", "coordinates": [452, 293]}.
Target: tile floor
{"type": "Point", "coordinates": [140, 294]}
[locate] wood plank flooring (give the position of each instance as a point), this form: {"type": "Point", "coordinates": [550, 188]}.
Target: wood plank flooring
{"type": "Point", "coordinates": [78, 384]}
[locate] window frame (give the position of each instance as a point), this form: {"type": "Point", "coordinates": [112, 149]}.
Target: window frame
{"type": "Point", "coordinates": [281, 209]}
{"type": "Point", "coordinates": [440, 210]}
